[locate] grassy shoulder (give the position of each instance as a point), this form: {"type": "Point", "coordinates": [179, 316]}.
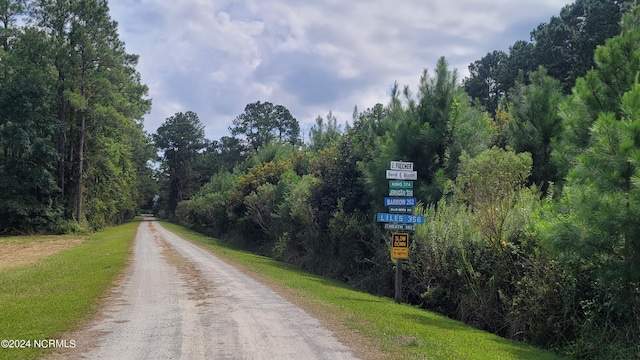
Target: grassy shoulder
{"type": "Point", "coordinates": [16, 251]}
{"type": "Point", "coordinates": [399, 331]}
{"type": "Point", "coordinates": [42, 300]}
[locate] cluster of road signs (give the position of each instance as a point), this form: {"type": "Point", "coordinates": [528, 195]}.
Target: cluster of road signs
{"type": "Point", "coordinates": [400, 205]}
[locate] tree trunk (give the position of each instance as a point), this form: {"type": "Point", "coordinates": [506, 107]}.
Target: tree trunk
{"type": "Point", "coordinates": [61, 141]}
{"type": "Point", "coordinates": [80, 165]}
{"type": "Point", "coordinates": [5, 77]}
{"type": "Point", "coordinates": [83, 130]}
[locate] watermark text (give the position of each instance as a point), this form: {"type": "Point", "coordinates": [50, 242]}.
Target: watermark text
{"type": "Point", "coordinates": [37, 343]}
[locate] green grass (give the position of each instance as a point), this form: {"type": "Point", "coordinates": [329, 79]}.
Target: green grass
{"type": "Point", "coordinates": [52, 296]}
{"type": "Point", "coordinates": [381, 320]}
{"type": "Point", "coordinates": [34, 238]}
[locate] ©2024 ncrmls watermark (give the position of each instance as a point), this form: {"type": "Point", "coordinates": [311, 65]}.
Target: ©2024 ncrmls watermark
{"type": "Point", "coordinates": [37, 343]}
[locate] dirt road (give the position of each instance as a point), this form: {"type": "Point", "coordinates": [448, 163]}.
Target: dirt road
{"type": "Point", "coordinates": [179, 301]}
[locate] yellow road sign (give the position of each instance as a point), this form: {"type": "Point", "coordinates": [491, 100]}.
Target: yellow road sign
{"type": "Point", "coordinates": [399, 253]}
{"type": "Point", "coordinates": [399, 246]}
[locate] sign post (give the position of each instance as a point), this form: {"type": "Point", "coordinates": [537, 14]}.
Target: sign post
{"type": "Point", "coordinates": [400, 216]}
{"type": "Point", "coordinates": [399, 251]}
{"type": "Point", "coordinates": [397, 295]}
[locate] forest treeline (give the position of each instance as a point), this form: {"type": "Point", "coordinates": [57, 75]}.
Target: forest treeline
{"type": "Point", "coordinates": [73, 153]}
{"type": "Point", "coordinates": [528, 170]}
{"type": "Point", "coordinates": [528, 177]}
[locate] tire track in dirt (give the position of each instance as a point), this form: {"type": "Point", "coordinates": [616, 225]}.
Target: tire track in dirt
{"type": "Point", "coordinates": [178, 301]}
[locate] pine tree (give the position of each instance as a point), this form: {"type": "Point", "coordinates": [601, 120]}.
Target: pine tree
{"type": "Point", "coordinates": [601, 89]}
{"type": "Point", "coordinates": [599, 226]}
{"type": "Point", "coordinates": [537, 123]}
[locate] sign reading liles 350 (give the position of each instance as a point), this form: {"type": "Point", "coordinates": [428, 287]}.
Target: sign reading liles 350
{"type": "Point", "coordinates": [400, 218]}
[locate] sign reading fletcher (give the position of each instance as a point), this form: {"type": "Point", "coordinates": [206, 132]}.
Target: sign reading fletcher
{"type": "Point", "coordinates": [400, 165]}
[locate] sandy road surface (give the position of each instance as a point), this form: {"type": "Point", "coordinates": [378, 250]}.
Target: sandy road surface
{"type": "Point", "coordinates": [181, 302]}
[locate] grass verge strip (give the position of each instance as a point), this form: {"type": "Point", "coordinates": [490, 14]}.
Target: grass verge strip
{"type": "Point", "coordinates": [40, 301]}
{"type": "Point", "coordinates": [400, 330]}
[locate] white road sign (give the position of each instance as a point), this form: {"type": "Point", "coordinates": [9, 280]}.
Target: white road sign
{"type": "Point", "coordinates": [402, 175]}
{"type": "Point", "coordinates": [401, 165]}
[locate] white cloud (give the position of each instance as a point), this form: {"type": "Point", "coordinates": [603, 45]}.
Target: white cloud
{"type": "Point", "coordinates": [214, 57]}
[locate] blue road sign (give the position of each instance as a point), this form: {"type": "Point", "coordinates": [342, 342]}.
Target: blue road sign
{"type": "Point", "coordinates": [400, 201]}
{"type": "Point", "coordinates": [400, 218]}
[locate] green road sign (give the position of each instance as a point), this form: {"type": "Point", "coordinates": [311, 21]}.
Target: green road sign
{"type": "Point", "coordinates": [400, 184]}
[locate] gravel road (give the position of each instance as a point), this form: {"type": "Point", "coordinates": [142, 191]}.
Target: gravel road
{"type": "Point", "coordinates": [179, 301]}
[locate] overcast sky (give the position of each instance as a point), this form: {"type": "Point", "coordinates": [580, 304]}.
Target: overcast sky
{"type": "Point", "coordinates": [213, 57]}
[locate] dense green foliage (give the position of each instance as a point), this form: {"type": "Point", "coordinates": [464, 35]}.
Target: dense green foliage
{"type": "Point", "coordinates": [71, 106]}
{"type": "Point", "coordinates": [536, 123]}
{"type": "Point", "coordinates": [399, 331]}
{"type": "Point", "coordinates": [262, 123]}
{"type": "Point", "coordinates": [529, 194]}
{"type": "Point", "coordinates": [527, 170]}
{"type": "Point", "coordinates": [180, 139]}
{"type": "Point", "coordinates": [564, 46]}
